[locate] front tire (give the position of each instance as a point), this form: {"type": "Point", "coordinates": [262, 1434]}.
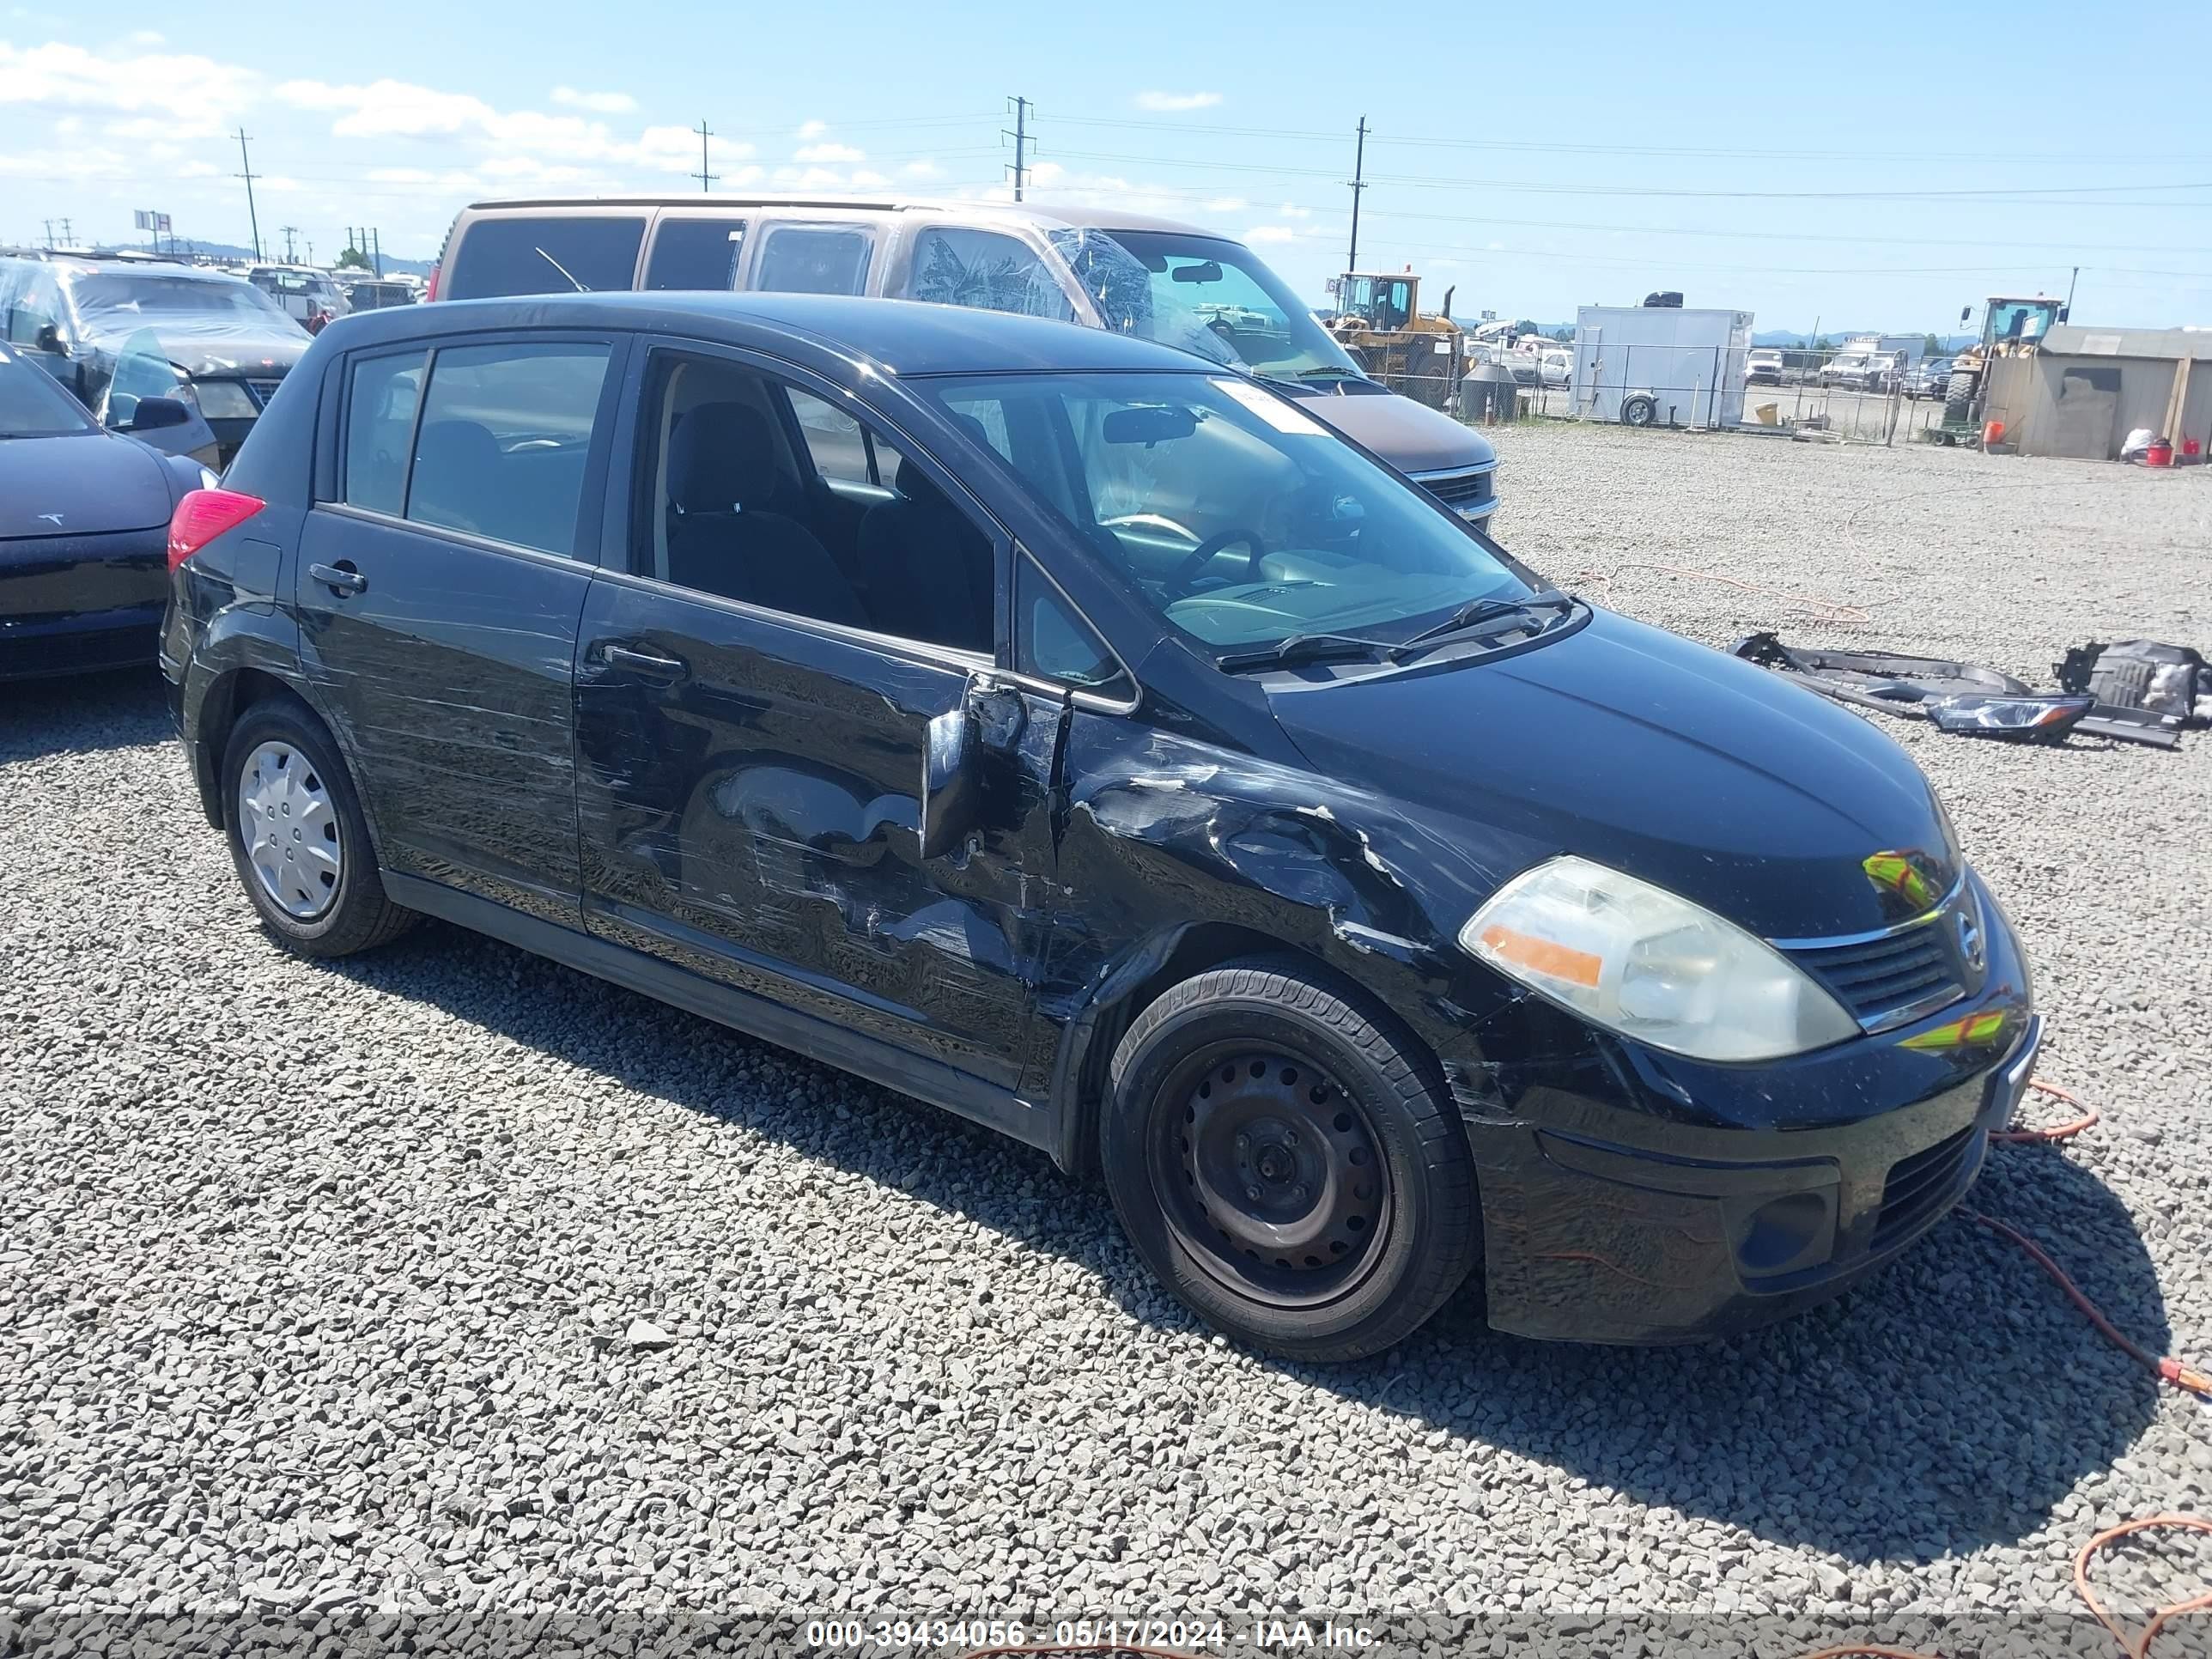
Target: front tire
{"type": "Point", "coordinates": [1288, 1163]}
{"type": "Point", "coordinates": [298, 838]}
{"type": "Point", "coordinates": [1640, 410]}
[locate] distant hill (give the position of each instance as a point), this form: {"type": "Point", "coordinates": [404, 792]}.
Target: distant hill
{"type": "Point", "coordinates": [229, 252]}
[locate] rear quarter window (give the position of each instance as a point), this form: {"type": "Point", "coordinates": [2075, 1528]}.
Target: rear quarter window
{"type": "Point", "coordinates": [502, 256]}
{"type": "Point", "coordinates": [815, 259]}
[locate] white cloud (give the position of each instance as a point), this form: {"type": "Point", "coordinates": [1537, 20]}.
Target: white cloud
{"type": "Point", "coordinates": [1292, 210]}
{"type": "Point", "coordinates": [813, 129]}
{"type": "Point", "coordinates": [1271, 234]}
{"type": "Point", "coordinates": [599, 103]}
{"type": "Point", "coordinates": [922, 169]}
{"type": "Point", "coordinates": [387, 109]}
{"type": "Point", "coordinates": [196, 90]}
{"type": "Point", "coordinates": [828, 153]}
{"type": "Point", "coordinates": [1170, 103]}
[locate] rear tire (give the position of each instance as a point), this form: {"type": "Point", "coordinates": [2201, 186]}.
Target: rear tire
{"type": "Point", "coordinates": [1640, 410]}
{"type": "Point", "coordinates": [298, 838]}
{"type": "Point", "coordinates": [1288, 1163]}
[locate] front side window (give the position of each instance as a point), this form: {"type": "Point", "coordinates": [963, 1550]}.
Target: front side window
{"type": "Point", "coordinates": [1231, 511]}
{"type": "Point", "coordinates": [501, 256]}
{"type": "Point", "coordinates": [379, 420]}
{"type": "Point", "coordinates": [1204, 294]}
{"type": "Point", "coordinates": [984, 271]}
{"type": "Point", "coordinates": [504, 433]}
{"type": "Point", "coordinates": [753, 490]}
{"type": "Point", "coordinates": [695, 253]}
{"type": "Point", "coordinates": [815, 259]}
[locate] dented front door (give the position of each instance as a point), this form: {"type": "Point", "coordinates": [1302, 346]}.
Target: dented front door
{"type": "Point", "coordinates": [748, 808]}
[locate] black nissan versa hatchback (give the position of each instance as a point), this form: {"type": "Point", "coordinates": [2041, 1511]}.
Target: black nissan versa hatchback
{"type": "Point", "coordinates": [1056, 727]}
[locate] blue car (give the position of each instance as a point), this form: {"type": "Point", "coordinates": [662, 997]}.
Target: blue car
{"type": "Point", "coordinates": [1078, 735]}
{"type": "Point", "coordinates": [84, 522]}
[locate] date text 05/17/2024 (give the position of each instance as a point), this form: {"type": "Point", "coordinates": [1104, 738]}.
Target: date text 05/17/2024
{"type": "Point", "coordinates": [1279, 1635]}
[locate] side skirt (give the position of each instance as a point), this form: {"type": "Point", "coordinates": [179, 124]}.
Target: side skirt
{"type": "Point", "coordinates": [869, 1057]}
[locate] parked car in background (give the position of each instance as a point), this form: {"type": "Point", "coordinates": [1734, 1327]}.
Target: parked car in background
{"type": "Point", "coordinates": [1931, 377]}
{"type": "Point", "coordinates": [1762, 366]}
{"type": "Point", "coordinates": [1154, 278]}
{"type": "Point", "coordinates": [1556, 364]}
{"type": "Point", "coordinates": [84, 517]}
{"type": "Point", "coordinates": [309, 296]}
{"type": "Point", "coordinates": [376, 294]}
{"type": "Point", "coordinates": [229, 344]}
{"type": "Point", "coordinates": [1074, 733]}
{"type": "Point", "coordinates": [1863, 370]}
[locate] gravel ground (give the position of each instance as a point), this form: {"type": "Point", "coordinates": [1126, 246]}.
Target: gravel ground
{"type": "Point", "coordinates": [447, 1279]}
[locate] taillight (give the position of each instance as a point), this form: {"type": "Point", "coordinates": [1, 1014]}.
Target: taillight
{"type": "Point", "coordinates": [430, 283]}
{"type": "Point", "coordinates": [204, 515]}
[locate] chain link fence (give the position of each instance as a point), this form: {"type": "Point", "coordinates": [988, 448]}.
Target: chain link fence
{"type": "Point", "coordinates": [1856, 396]}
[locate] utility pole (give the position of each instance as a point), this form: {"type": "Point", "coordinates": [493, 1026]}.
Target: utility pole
{"type": "Point", "coordinates": [311, 253]}
{"type": "Point", "coordinates": [68, 239]}
{"type": "Point", "coordinates": [706, 178]}
{"type": "Point", "coordinates": [2071, 283]}
{"type": "Point", "coordinates": [49, 234]}
{"type": "Point", "coordinates": [251, 218]}
{"type": "Point", "coordinates": [289, 231]}
{"type": "Point", "coordinates": [376, 252]}
{"type": "Point", "coordinates": [1020, 135]}
{"type": "Point", "coordinates": [1359, 184]}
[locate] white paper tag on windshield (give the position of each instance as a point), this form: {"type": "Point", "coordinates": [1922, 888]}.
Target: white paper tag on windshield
{"type": "Point", "coordinates": [1273, 409]}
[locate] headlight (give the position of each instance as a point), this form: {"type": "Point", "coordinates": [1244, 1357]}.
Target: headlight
{"type": "Point", "coordinates": [1637, 960]}
{"type": "Point", "coordinates": [225, 400]}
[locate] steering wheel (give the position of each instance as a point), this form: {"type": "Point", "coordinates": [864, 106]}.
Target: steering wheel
{"type": "Point", "coordinates": [1180, 581]}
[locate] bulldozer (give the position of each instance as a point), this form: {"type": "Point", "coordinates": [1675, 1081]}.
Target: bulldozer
{"type": "Point", "coordinates": [2012, 326]}
{"type": "Point", "coordinates": [1380, 322]}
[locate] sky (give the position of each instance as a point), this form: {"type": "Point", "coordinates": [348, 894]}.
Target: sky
{"type": "Point", "coordinates": [1876, 166]}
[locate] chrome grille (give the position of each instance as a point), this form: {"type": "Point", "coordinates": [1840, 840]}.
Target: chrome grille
{"type": "Point", "coordinates": [1893, 978]}
{"type": "Point", "coordinates": [1458, 489]}
{"type": "Point", "coordinates": [264, 390]}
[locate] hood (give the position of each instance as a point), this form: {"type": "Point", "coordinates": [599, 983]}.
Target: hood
{"type": "Point", "coordinates": [1643, 750]}
{"type": "Point", "coordinates": [95, 484]}
{"type": "Point", "coordinates": [1411, 437]}
{"type": "Point", "coordinates": [250, 356]}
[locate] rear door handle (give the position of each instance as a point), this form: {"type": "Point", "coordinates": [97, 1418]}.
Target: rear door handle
{"type": "Point", "coordinates": [645, 665]}
{"type": "Point", "coordinates": [341, 576]}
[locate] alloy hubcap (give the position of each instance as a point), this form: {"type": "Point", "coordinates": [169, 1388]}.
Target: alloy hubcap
{"type": "Point", "coordinates": [289, 830]}
{"type": "Point", "coordinates": [1273, 1176]}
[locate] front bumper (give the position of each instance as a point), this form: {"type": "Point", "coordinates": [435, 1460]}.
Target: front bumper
{"type": "Point", "coordinates": [1629, 1196]}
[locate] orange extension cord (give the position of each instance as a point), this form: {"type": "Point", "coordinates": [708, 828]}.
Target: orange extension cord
{"type": "Point", "coordinates": [2165, 1368]}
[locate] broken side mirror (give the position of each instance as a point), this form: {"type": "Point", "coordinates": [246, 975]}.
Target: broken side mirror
{"type": "Point", "coordinates": [49, 340]}
{"type": "Point", "coordinates": [152, 414]}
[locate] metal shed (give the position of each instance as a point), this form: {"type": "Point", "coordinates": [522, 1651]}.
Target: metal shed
{"type": "Point", "coordinates": [2086, 388]}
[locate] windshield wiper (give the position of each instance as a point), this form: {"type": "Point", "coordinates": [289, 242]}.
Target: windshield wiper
{"type": "Point", "coordinates": [1489, 608]}
{"type": "Point", "coordinates": [1301, 648]}
{"type": "Point", "coordinates": [1330, 374]}
{"type": "Point", "coordinates": [562, 268]}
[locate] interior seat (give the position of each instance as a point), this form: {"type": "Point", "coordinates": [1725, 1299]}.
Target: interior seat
{"type": "Point", "coordinates": [925, 568]}
{"type": "Point", "coordinates": [721, 469]}
{"type": "Point", "coordinates": [459, 474]}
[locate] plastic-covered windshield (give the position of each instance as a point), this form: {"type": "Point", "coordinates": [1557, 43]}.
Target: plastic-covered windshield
{"type": "Point", "coordinates": [1203, 294]}
{"type": "Point", "coordinates": [121, 301]}
{"type": "Point", "coordinates": [32, 405]}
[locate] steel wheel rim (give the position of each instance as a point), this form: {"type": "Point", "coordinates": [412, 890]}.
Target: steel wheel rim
{"type": "Point", "coordinates": [1270, 1175]}
{"type": "Point", "coordinates": [288, 827]}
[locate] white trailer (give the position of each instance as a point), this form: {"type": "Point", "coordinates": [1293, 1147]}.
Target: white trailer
{"type": "Point", "coordinates": [1660, 365]}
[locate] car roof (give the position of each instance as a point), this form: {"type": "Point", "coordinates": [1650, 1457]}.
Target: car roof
{"type": "Point", "coordinates": [1035, 213]}
{"type": "Point", "coordinates": [896, 336]}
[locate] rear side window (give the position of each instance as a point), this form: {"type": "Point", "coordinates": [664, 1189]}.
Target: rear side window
{"type": "Point", "coordinates": [984, 270]}
{"type": "Point", "coordinates": [501, 256]}
{"type": "Point", "coordinates": [815, 259]}
{"type": "Point", "coordinates": [379, 420]}
{"type": "Point", "coordinates": [695, 253]}
{"type": "Point", "coordinates": [504, 433]}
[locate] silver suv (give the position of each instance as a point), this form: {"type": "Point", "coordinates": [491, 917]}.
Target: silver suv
{"type": "Point", "coordinates": [1100, 268]}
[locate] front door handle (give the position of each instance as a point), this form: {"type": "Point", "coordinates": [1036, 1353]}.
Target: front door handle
{"type": "Point", "coordinates": [341, 577]}
{"type": "Point", "coordinates": [645, 665]}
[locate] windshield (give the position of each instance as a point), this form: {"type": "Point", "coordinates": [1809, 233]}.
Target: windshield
{"type": "Point", "coordinates": [32, 405]}
{"type": "Point", "coordinates": [1204, 294]}
{"type": "Point", "coordinates": [119, 301]}
{"type": "Point", "coordinates": [1238, 517]}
